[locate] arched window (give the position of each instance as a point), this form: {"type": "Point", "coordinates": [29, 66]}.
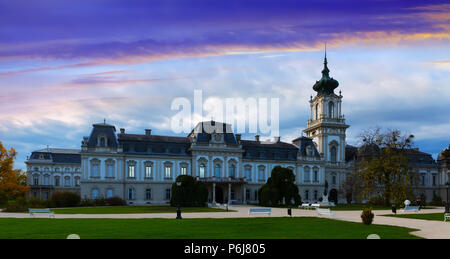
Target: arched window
{"type": "Point", "coordinates": [109, 193]}
{"type": "Point", "coordinates": [202, 171]}
{"type": "Point", "coordinates": [306, 175]}
{"type": "Point", "coordinates": [232, 172]}
{"type": "Point", "coordinates": [94, 194]}
{"type": "Point", "coordinates": [331, 110]}
{"type": "Point", "coordinates": [261, 173]}
{"type": "Point", "coordinates": [333, 153]}
{"type": "Point", "coordinates": [67, 181]}
{"type": "Point", "coordinates": [317, 111]}
{"type": "Point", "coordinates": [217, 170]}
{"type": "Point", "coordinates": [102, 142]}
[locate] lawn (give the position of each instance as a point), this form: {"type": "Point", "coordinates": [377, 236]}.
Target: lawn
{"type": "Point", "coordinates": [132, 209]}
{"type": "Point", "coordinates": [230, 228]}
{"type": "Point", "coordinates": [428, 216]}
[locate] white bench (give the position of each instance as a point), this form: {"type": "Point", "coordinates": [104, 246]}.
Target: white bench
{"type": "Point", "coordinates": [305, 206]}
{"type": "Point", "coordinates": [446, 216]}
{"type": "Point", "coordinates": [41, 211]}
{"type": "Point", "coordinates": [315, 205]}
{"type": "Point", "coordinates": [411, 208]}
{"type": "Point", "coordinates": [325, 212]}
{"type": "Point", "coordinates": [259, 211]}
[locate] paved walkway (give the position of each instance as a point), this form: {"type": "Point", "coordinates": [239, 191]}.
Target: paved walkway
{"type": "Point", "coordinates": [427, 228]}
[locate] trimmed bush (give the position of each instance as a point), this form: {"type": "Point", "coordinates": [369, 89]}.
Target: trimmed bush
{"type": "Point", "coordinates": [191, 193]}
{"type": "Point", "coordinates": [280, 189]}
{"type": "Point", "coordinates": [115, 201]}
{"type": "Point", "coordinates": [65, 199]}
{"type": "Point", "coordinates": [367, 216]}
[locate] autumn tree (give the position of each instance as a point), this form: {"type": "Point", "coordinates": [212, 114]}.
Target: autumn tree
{"type": "Point", "coordinates": [12, 181]}
{"type": "Point", "coordinates": [383, 165]}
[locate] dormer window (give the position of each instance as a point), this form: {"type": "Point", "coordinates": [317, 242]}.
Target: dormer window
{"type": "Point", "coordinates": [102, 141]}
{"type": "Point", "coordinates": [309, 151]}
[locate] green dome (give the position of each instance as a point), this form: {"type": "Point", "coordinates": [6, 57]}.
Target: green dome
{"type": "Point", "coordinates": [326, 84]}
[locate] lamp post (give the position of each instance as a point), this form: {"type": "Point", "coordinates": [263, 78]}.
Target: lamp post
{"type": "Point", "coordinates": [447, 205]}
{"type": "Point", "coordinates": [178, 209]}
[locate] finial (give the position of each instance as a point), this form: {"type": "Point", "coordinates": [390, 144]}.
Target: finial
{"type": "Point", "coordinates": [104, 121]}
{"type": "Point", "coordinates": [340, 92]}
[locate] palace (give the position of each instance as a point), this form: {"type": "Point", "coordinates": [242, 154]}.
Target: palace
{"type": "Point", "coordinates": [141, 168]}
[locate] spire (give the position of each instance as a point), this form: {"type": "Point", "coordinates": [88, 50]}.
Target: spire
{"type": "Point", "coordinates": [325, 71]}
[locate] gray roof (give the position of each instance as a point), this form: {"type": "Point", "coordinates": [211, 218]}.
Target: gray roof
{"type": "Point", "coordinates": [269, 150]}
{"type": "Point", "coordinates": [58, 155]}
{"type": "Point", "coordinates": [154, 144]}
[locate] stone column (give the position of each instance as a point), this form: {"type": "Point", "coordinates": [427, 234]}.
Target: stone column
{"type": "Point", "coordinates": [214, 193]}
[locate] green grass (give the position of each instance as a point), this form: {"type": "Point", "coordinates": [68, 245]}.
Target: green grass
{"type": "Point", "coordinates": [230, 228]}
{"type": "Point", "coordinates": [132, 209]}
{"type": "Point", "coordinates": [427, 216]}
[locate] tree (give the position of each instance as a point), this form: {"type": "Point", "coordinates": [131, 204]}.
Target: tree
{"type": "Point", "coordinates": [190, 193]}
{"type": "Point", "coordinates": [280, 188]}
{"type": "Point", "coordinates": [351, 187]}
{"type": "Point", "coordinates": [383, 165]}
{"type": "Point", "coordinates": [13, 182]}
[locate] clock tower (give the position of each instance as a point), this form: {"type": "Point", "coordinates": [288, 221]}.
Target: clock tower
{"type": "Point", "coordinates": [326, 125]}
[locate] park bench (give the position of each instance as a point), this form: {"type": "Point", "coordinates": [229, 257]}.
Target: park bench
{"type": "Point", "coordinates": [325, 212]}
{"type": "Point", "coordinates": [315, 205]}
{"type": "Point", "coordinates": [305, 206]}
{"type": "Point", "coordinates": [42, 211]}
{"type": "Point", "coordinates": [446, 216]}
{"type": "Point", "coordinates": [259, 211]}
{"type": "Point", "coordinates": [411, 208]}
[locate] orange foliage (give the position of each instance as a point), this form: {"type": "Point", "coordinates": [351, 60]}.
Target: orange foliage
{"type": "Point", "coordinates": [12, 181]}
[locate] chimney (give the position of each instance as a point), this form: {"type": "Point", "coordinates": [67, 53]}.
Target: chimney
{"type": "Point", "coordinates": [148, 132]}
{"type": "Point", "coordinates": [257, 138]}
{"type": "Point", "coordinates": [277, 139]}
{"type": "Point", "coordinates": [122, 131]}
{"type": "Point", "coordinates": [238, 137]}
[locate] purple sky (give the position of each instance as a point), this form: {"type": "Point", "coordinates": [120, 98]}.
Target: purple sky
{"type": "Point", "coordinates": [67, 64]}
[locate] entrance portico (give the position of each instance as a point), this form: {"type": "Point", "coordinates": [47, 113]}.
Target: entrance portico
{"type": "Point", "coordinates": [220, 189]}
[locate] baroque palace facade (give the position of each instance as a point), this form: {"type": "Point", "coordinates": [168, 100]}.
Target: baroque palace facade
{"type": "Point", "coordinates": [141, 168]}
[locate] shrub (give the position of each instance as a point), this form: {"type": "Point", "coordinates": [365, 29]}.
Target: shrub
{"type": "Point", "coordinates": [436, 201]}
{"type": "Point", "coordinates": [100, 202]}
{"type": "Point", "coordinates": [18, 205]}
{"type": "Point", "coordinates": [65, 199]}
{"type": "Point", "coordinates": [367, 216]}
{"type": "Point", "coordinates": [115, 201]}
{"type": "Point", "coordinates": [86, 202]}
{"type": "Point", "coordinates": [280, 188]}
{"type": "Point", "coordinates": [190, 193]}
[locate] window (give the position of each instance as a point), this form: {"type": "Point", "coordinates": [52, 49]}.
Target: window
{"type": "Point", "coordinates": [317, 111]}
{"type": "Point", "coordinates": [315, 195]}
{"type": "Point", "coordinates": [110, 170]}
{"type": "Point", "coordinates": [248, 172]}
{"type": "Point", "coordinates": [232, 172]}
{"type": "Point", "coordinates": [217, 171]}
{"type": "Point", "coordinates": [46, 195]}
{"type": "Point", "coordinates": [309, 151]}
{"type": "Point", "coordinates": [316, 176]}
{"type": "Point", "coordinates": [333, 153]}
{"type": "Point", "coordinates": [131, 194]}
{"type": "Point", "coordinates": [95, 168]}
{"type": "Point", "coordinates": [232, 194]}
{"type": "Point", "coordinates": [247, 194]}
{"type": "Point", "coordinates": [102, 142]}
{"type": "Point", "coordinates": [183, 170]}
{"type": "Point", "coordinates": [131, 171]}
{"type": "Point", "coordinates": [306, 195]}
{"type": "Point", "coordinates": [423, 179]}
{"type": "Point", "coordinates": [57, 181]}
{"type": "Point", "coordinates": [148, 171]}
{"type": "Point", "coordinates": [47, 180]}
{"type": "Point", "coordinates": [36, 180]}
{"type": "Point", "coordinates": [331, 110]}
{"type": "Point", "coordinates": [202, 171]}
{"type": "Point", "coordinates": [148, 194]}
{"type": "Point", "coordinates": [261, 173]}
{"type": "Point", "coordinates": [94, 194]}
{"type": "Point", "coordinates": [306, 175]}
{"type": "Point", "coordinates": [434, 179]}
{"type": "Point", "coordinates": [77, 181]}
{"type": "Point", "coordinates": [168, 171]}
{"type": "Point", "coordinates": [167, 194]}
{"type": "Point", "coordinates": [67, 181]}
{"type": "Point", "coordinates": [333, 179]}
{"type": "Point", "coordinates": [109, 193]}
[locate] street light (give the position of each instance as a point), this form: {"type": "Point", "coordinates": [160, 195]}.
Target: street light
{"type": "Point", "coordinates": [179, 209]}
{"type": "Point", "coordinates": [447, 205]}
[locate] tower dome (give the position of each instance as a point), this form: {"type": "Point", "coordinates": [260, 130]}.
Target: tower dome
{"type": "Point", "coordinates": [326, 85]}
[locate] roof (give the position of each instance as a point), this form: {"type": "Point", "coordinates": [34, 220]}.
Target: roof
{"type": "Point", "coordinates": [154, 144]}
{"type": "Point", "coordinates": [58, 155]}
{"type": "Point", "coordinates": [269, 150]}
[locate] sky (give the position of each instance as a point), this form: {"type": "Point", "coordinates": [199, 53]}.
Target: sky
{"type": "Point", "coordinates": [65, 65]}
